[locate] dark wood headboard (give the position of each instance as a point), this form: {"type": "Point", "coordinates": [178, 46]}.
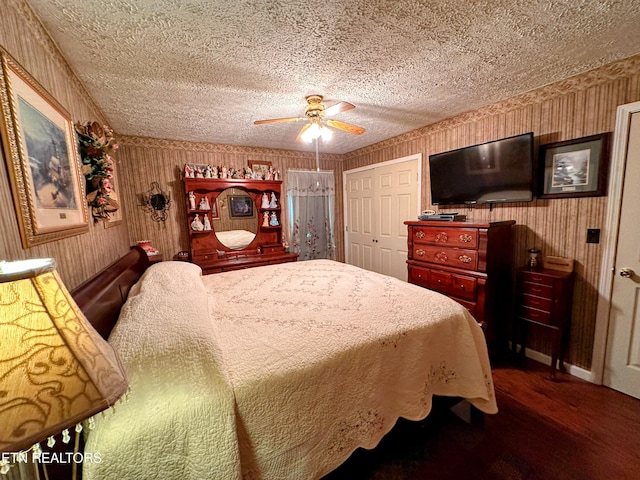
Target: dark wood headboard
{"type": "Point", "coordinates": [101, 297]}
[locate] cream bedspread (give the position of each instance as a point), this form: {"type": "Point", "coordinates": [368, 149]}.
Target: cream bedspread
{"type": "Point", "coordinates": [323, 357]}
{"type": "Point", "coordinates": [179, 414]}
{"type": "Point", "coordinates": [292, 368]}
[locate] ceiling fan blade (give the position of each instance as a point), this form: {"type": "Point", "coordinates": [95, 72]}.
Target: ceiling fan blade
{"type": "Point", "coordinates": [338, 107]}
{"type": "Point", "coordinates": [304, 129]}
{"type": "Point", "coordinates": [347, 127]}
{"type": "Point", "coordinates": [279, 120]}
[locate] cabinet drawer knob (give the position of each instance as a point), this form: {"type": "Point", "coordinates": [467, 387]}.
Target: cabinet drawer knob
{"type": "Point", "coordinates": [420, 234]}
{"type": "Point", "coordinates": [466, 238]}
{"type": "Point", "coordinates": [465, 258]}
{"type": "Point", "coordinates": [442, 237]}
{"type": "Point", "coordinates": [420, 252]}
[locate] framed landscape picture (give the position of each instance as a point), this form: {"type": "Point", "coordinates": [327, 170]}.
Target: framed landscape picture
{"type": "Point", "coordinates": [574, 168]}
{"type": "Point", "coordinates": [41, 151]}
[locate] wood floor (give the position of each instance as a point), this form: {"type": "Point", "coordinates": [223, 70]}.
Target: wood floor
{"type": "Point", "coordinates": [545, 430]}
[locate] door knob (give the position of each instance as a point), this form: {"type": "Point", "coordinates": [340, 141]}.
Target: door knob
{"type": "Point", "coordinates": [626, 272]}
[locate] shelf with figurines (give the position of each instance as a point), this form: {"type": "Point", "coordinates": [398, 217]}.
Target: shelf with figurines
{"type": "Point", "coordinates": [200, 227]}
{"type": "Point", "coordinates": [212, 172]}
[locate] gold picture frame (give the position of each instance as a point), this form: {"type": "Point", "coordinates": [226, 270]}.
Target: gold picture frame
{"type": "Point", "coordinates": [261, 167]}
{"type": "Point", "coordinates": [42, 158]}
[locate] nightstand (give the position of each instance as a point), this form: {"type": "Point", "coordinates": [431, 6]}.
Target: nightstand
{"type": "Point", "coordinates": [544, 300]}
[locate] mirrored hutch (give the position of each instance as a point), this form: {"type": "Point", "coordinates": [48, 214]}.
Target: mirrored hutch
{"type": "Point", "coordinates": [234, 223]}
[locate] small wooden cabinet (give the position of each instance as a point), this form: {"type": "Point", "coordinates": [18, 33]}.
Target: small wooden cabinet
{"type": "Point", "coordinates": [472, 264]}
{"type": "Point", "coordinates": [544, 300]}
{"type": "Point", "coordinates": [235, 208]}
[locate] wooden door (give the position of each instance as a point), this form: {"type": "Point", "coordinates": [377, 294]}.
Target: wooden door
{"type": "Point", "coordinates": [622, 361]}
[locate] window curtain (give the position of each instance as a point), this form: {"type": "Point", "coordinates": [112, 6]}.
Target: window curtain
{"type": "Point", "coordinates": [311, 197]}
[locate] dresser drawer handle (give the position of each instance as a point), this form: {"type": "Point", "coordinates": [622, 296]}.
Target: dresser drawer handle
{"type": "Point", "coordinates": [466, 238]}
{"type": "Point", "coordinates": [420, 252]}
{"type": "Point", "coordinates": [537, 290]}
{"type": "Point", "coordinates": [461, 287]}
{"type": "Point", "coordinates": [465, 258]}
{"type": "Point", "coordinates": [442, 256]}
{"type": "Point", "coordinates": [442, 237]}
{"type": "Point", "coordinates": [420, 234]}
{"type": "Point", "coordinates": [536, 279]}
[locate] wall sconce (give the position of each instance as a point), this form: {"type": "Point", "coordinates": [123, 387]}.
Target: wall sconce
{"type": "Point", "coordinates": [55, 369]}
{"type": "Point", "coordinates": [156, 202]}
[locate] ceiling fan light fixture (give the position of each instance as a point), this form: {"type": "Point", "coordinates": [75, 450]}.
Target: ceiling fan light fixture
{"type": "Point", "coordinates": [316, 130]}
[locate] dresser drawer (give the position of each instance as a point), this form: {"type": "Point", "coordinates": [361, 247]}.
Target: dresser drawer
{"type": "Point", "coordinates": [544, 291]}
{"type": "Point", "coordinates": [535, 315]}
{"type": "Point", "coordinates": [459, 286]}
{"type": "Point", "coordinates": [537, 302]}
{"type": "Point", "coordinates": [419, 276]}
{"type": "Point", "coordinates": [470, 306]}
{"type": "Point", "coordinates": [452, 257]}
{"type": "Point", "coordinates": [534, 277]}
{"type": "Point", "coordinates": [454, 237]}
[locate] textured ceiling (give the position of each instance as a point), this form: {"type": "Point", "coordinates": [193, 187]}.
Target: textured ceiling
{"type": "Point", "coordinates": [205, 70]}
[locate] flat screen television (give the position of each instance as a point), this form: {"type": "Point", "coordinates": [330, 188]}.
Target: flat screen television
{"type": "Point", "coordinates": [491, 172]}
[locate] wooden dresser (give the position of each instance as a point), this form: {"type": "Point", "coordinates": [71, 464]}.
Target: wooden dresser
{"type": "Point", "coordinates": [470, 262]}
{"type": "Point", "coordinates": [206, 248]}
{"type": "Point", "coordinates": [544, 300]}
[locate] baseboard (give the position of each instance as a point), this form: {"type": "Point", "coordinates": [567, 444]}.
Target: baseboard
{"type": "Point", "coordinates": [545, 359]}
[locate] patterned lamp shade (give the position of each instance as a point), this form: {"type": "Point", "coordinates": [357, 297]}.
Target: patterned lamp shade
{"type": "Point", "coordinates": [55, 369]}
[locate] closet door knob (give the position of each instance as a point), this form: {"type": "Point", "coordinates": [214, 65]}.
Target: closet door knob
{"type": "Point", "coordinates": [626, 273]}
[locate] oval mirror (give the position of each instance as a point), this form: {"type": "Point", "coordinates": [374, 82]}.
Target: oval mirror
{"type": "Point", "coordinates": [236, 222]}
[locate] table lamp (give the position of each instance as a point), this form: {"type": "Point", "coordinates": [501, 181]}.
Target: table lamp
{"type": "Point", "coordinates": [55, 369]}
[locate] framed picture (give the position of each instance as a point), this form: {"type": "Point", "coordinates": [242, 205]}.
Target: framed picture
{"type": "Point", "coordinates": [240, 206]}
{"type": "Point", "coordinates": [42, 159]}
{"type": "Point", "coordinates": [574, 168]}
{"type": "Point", "coordinates": [260, 166]}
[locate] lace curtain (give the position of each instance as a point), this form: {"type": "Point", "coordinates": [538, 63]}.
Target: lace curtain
{"type": "Point", "coordinates": [311, 197]}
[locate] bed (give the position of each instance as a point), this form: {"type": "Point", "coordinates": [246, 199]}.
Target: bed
{"type": "Point", "coordinates": [277, 372]}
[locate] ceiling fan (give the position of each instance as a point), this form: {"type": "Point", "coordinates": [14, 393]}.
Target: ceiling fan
{"type": "Point", "coordinates": [316, 125]}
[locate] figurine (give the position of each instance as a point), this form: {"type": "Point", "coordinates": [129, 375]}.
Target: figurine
{"type": "Point", "coordinates": [188, 171]}
{"type": "Point", "coordinates": [197, 224]}
{"type": "Point", "coordinates": [204, 204]}
{"type": "Point", "coordinates": [224, 172]}
{"type": "Point", "coordinates": [215, 172]}
{"type": "Point", "coordinates": [192, 200]}
{"type": "Point", "coordinates": [276, 175]}
{"type": "Point", "coordinates": [198, 173]}
{"type": "Point", "coordinates": [248, 174]}
{"type": "Point", "coordinates": [265, 219]}
{"type": "Point", "coordinates": [274, 201]}
{"type": "Point", "coordinates": [208, 172]}
{"type": "Point", "coordinates": [265, 201]}
{"type": "Point", "coordinates": [274, 220]}
{"type": "Point", "coordinates": [207, 224]}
